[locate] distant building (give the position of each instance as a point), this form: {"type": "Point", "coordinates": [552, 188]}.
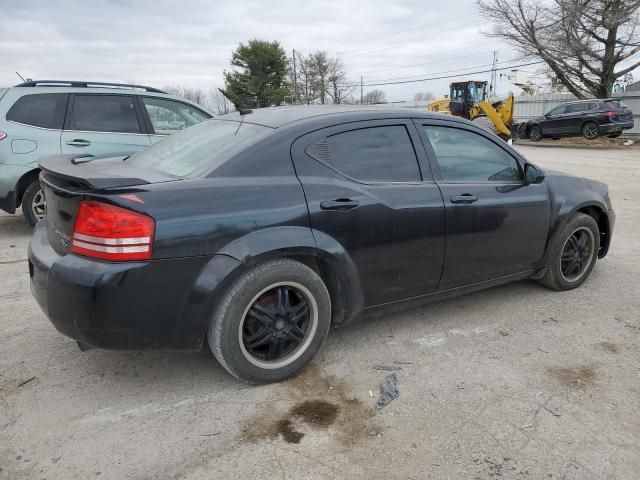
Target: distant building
{"type": "Point", "coordinates": [632, 87]}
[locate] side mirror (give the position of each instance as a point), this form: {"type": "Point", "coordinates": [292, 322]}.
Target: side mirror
{"type": "Point", "coordinates": [532, 174]}
{"type": "Point", "coordinates": [546, 115]}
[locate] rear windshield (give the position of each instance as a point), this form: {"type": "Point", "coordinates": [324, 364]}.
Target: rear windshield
{"type": "Point", "coordinates": [617, 103]}
{"type": "Point", "coordinates": [200, 148]}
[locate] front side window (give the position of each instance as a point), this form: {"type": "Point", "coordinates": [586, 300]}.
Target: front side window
{"type": "Point", "coordinates": [465, 156]}
{"type": "Point", "coordinates": [557, 111]}
{"type": "Point", "coordinates": [104, 113]}
{"type": "Point", "coordinates": [374, 154]}
{"type": "Point", "coordinates": [45, 110]}
{"type": "Point", "coordinates": [168, 116]}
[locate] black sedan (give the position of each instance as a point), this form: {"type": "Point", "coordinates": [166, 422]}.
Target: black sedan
{"type": "Point", "coordinates": [256, 233]}
{"type": "Point", "coordinates": [588, 118]}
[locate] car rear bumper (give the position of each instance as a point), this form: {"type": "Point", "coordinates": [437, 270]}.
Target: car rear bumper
{"type": "Point", "coordinates": [159, 304]}
{"type": "Point", "coordinates": [615, 127]}
{"type": "Point", "coordinates": [8, 203]}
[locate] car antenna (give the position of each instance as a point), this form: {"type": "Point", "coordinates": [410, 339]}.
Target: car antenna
{"type": "Point", "coordinates": [241, 110]}
{"type": "Point", "coordinates": [21, 78]}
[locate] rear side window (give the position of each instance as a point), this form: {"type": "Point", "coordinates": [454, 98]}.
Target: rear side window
{"type": "Point", "coordinates": [104, 113]}
{"type": "Point", "coordinates": [204, 147]}
{"type": "Point", "coordinates": [45, 110]}
{"type": "Point", "coordinates": [168, 116]}
{"type": "Point", "coordinates": [577, 107]}
{"type": "Point", "coordinates": [375, 154]}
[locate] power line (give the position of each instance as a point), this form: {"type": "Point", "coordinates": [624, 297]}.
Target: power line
{"type": "Point", "coordinates": [404, 42]}
{"type": "Point", "coordinates": [403, 67]}
{"type": "Point", "coordinates": [443, 77]}
{"type": "Point", "coordinates": [450, 71]}
{"type": "Point", "coordinates": [376, 37]}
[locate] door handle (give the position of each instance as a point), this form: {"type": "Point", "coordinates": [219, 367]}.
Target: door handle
{"type": "Point", "coordinates": [79, 142]}
{"type": "Point", "coordinates": [342, 204]}
{"type": "Point", "coordinates": [464, 198]}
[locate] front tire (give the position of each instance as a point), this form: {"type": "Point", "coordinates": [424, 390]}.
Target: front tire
{"type": "Point", "coordinates": [271, 322]}
{"type": "Point", "coordinates": [34, 205]}
{"type": "Point", "coordinates": [573, 253]}
{"type": "Point", "coordinates": [535, 133]}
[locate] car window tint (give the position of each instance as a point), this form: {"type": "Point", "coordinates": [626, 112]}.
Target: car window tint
{"type": "Point", "coordinates": [44, 110]}
{"type": "Point", "coordinates": [104, 113]}
{"type": "Point", "coordinates": [376, 154]}
{"type": "Point", "coordinates": [558, 110]}
{"type": "Point", "coordinates": [578, 107]}
{"type": "Point", "coordinates": [204, 147]}
{"type": "Point", "coordinates": [465, 156]}
{"type": "Point", "coordinates": [168, 116]}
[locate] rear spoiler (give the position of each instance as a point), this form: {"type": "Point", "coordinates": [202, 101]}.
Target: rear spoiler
{"type": "Point", "coordinates": [95, 172]}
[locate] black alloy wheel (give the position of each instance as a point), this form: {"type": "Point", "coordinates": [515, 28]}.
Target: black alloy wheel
{"type": "Point", "coordinates": [277, 323]}
{"type": "Point", "coordinates": [577, 253]}
{"type": "Point", "coordinates": [590, 130]}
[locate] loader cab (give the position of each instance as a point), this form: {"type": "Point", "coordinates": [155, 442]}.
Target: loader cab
{"type": "Point", "coordinates": [465, 95]}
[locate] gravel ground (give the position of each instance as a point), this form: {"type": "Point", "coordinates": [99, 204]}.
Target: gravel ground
{"type": "Point", "coordinates": [513, 382]}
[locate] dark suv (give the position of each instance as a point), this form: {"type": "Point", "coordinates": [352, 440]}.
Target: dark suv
{"type": "Point", "coordinates": [258, 232]}
{"type": "Point", "coordinates": [589, 118]}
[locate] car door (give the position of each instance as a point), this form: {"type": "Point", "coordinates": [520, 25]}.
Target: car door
{"type": "Point", "coordinates": [103, 124]}
{"type": "Point", "coordinates": [169, 116]}
{"type": "Point", "coordinates": [496, 224]}
{"type": "Point", "coordinates": [552, 121]}
{"type": "Point", "coordinates": [574, 116]}
{"type": "Point", "coordinates": [369, 189]}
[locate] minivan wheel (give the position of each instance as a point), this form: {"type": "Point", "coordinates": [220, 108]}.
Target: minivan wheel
{"type": "Point", "coordinates": [535, 133]}
{"type": "Point", "coordinates": [590, 130]}
{"type": "Point", "coordinates": [34, 205]}
{"type": "Point", "coordinates": [573, 253]}
{"type": "Point", "coordinates": [271, 322]}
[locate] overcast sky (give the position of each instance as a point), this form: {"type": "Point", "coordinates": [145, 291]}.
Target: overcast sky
{"type": "Point", "coordinates": [189, 42]}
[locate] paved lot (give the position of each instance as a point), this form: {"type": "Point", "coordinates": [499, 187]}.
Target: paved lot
{"type": "Point", "coordinates": [513, 382]}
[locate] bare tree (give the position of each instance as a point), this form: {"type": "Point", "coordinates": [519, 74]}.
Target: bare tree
{"type": "Point", "coordinates": [196, 95]}
{"type": "Point", "coordinates": [320, 78]}
{"type": "Point", "coordinates": [218, 103]}
{"type": "Point", "coordinates": [375, 96]}
{"type": "Point", "coordinates": [584, 42]}
{"type": "Point", "coordinates": [340, 87]}
{"type": "Point", "coordinates": [423, 97]}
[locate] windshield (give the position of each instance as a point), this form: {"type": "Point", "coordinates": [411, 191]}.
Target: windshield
{"type": "Point", "coordinates": [476, 91]}
{"type": "Point", "coordinates": [204, 146]}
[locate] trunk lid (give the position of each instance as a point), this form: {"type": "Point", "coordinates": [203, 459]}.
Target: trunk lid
{"type": "Point", "coordinates": [68, 179]}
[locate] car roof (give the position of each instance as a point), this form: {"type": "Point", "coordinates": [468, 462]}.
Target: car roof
{"type": "Point", "coordinates": [56, 86]}
{"type": "Point", "coordinates": [276, 117]}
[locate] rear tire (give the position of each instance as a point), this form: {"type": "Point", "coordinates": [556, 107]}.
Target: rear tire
{"type": "Point", "coordinates": [590, 130]}
{"type": "Point", "coordinates": [34, 205]}
{"type": "Point", "coordinates": [570, 266]}
{"type": "Point", "coordinates": [535, 133]}
{"type": "Point", "coordinates": [271, 322]}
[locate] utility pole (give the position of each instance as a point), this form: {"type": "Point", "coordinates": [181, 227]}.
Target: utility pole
{"type": "Point", "coordinates": [494, 79]}
{"type": "Point", "coordinates": [361, 92]}
{"type": "Point", "coordinates": [295, 79]}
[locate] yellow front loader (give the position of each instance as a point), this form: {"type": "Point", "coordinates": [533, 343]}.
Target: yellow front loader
{"type": "Point", "coordinates": [469, 100]}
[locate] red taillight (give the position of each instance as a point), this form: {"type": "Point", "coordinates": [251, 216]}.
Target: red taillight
{"type": "Point", "coordinates": [610, 114]}
{"type": "Point", "coordinates": [2, 135]}
{"type": "Point", "coordinates": [112, 233]}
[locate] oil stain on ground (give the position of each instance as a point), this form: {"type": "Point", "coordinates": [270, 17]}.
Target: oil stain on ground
{"type": "Point", "coordinates": [574, 377]}
{"type": "Point", "coordinates": [610, 347]}
{"type": "Point", "coordinates": [321, 402]}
